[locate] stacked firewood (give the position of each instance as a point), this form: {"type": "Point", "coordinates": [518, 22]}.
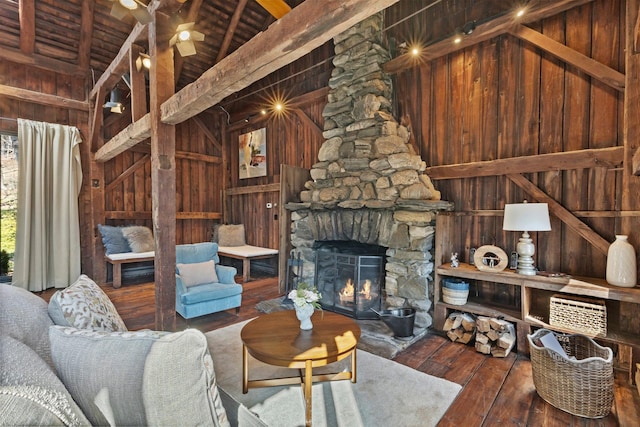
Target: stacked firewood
{"type": "Point", "coordinates": [460, 327]}
{"type": "Point", "coordinates": [494, 336]}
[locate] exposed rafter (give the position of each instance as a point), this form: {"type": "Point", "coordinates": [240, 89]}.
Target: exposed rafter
{"type": "Point", "coordinates": [27, 9]}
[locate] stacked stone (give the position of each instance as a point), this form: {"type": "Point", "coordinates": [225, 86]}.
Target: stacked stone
{"type": "Point", "coordinates": [366, 160]}
{"type": "Point", "coordinates": [368, 185]}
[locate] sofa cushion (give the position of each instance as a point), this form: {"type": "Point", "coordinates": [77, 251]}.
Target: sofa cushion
{"type": "Point", "coordinates": [24, 317]}
{"type": "Point", "coordinates": [231, 235]}
{"type": "Point", "coordinates": [84, 305]}
{"type": "Point", "coordinates": [149, 378]}
{"type": "Point", "coordinates": [113, 239]}
{"type": "Point", "coordinates": [30, 391]}
{"type": "Point", "coordinates": [197, 273]}
{"type": "Point", "coordinates": [210, 292]}
{"type": "Point", "coordinates": [140, 238]}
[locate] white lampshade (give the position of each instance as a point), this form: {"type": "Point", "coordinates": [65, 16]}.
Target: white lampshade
{"type": "Point", "coordinates": [526, 217]}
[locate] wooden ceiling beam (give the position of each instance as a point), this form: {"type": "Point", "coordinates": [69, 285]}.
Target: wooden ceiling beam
{"type": "Point", "coordinates": [27, 13]}
{"type": "Point", "coordinates": [283, 42]}
{"type": "Point", "coordinates": [136, 132]}
{"type": "Point", "coordinates": [502, 24]}
{"type": "Point", "coordinates": [277, 8]}
{"type": "Point", "coordinates": [569, 219]}
{"type": "Point", "coordinates": [595, 69]}
{"type": "Point", "coordinates": [231, 30]}
{"type": "Point", "coordinates": [43, 98]}
{"type": "Point", "coordinates": [581, 159]}
{"type": "Point", "coordinates": [38, 61]}
{"type": "Point", "coordinates": [86, 34]}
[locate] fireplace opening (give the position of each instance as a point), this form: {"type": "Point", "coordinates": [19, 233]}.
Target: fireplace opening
{"type": "Point", "coordinates": [350, 277]}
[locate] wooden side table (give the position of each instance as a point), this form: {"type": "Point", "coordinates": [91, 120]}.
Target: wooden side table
{"type": "Point", "coordinates": [277, 339]}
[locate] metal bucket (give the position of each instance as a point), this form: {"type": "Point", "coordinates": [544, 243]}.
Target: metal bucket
{"type": "Point", "coordinates": [400, 320]}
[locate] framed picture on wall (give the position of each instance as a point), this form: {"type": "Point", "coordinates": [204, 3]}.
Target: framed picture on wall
{"type": "Point", "coordinates": [253, 154]}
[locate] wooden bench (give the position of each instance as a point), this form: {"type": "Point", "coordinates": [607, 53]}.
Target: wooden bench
{"type": "Point", "coordinates": [246, 253]}
{"type": "Point", "coordinates": [116, 260]}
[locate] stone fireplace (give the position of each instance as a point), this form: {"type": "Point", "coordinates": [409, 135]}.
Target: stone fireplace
{"type": "Point", "coordinates": [368, 185]}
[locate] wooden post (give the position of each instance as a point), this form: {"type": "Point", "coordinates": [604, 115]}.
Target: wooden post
{"type": "Point", "coordinates": [163, 175]}
{"type": "Point", "coordinates": [630, 182]}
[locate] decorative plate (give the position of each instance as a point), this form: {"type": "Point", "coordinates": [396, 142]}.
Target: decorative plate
{"type": "Point", "coordinates": [490, 258]}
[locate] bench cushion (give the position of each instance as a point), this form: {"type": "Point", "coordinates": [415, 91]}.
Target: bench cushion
{"type": "Point", "coordinates": [246, 251]}
{"type": "Point", "coordinates": [130, 256]}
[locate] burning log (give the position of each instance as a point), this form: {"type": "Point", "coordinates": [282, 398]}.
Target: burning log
{"type": "Point", "coordinates": [460, 327]}
{"type": "Point", "coordinates": [494, 336]}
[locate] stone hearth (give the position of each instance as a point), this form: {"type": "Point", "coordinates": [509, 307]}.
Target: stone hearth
{"type": "Point", "coordinates": [369, 185]}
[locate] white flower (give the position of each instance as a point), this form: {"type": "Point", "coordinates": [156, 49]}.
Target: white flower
{"type": "Point", "coordinates": [305, 294]}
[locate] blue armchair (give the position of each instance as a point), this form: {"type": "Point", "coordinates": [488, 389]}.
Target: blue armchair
{"type": "Point", "coordinates": [203, 286]}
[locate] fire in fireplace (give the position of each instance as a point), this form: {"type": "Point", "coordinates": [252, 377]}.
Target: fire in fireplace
{"type": "Point", "coordinates": [350, 276]}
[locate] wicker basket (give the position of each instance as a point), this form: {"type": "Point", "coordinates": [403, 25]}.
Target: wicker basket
{"type": "Point", "coordinates": [581, 315]}
{"type": "Point", "coordinates": [581, 385]}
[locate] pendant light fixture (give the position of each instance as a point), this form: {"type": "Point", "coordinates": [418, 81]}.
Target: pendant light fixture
{"type": "Point", "coordinates": [184, 37]}
{"type": "Point", "coordinates": [114, 103]}
{"type": "Point", "coordinates": [136, 8]}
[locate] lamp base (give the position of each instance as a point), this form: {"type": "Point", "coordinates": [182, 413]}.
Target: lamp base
{"type": "Point", "coordinates": [525, 251]}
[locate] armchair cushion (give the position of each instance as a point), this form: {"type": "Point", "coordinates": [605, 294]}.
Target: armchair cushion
{"type": "Point", "coordinates": [84, 305]}
{"type": "Point", "coordinates": [197, 273]}
{"type": "Point", "coordinates": [210, 291]}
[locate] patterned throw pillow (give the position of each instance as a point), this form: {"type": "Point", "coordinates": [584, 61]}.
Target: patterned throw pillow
{"type": "Point", "coordinates": [140, 238]}
{"type": "Point", "coordinates": [84, 305]}
{"type": "Point", "coordinates": [139, 378]}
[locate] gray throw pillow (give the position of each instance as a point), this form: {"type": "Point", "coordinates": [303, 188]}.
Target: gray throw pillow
{"type": "Point", "coordinates": [113, 239]}
{"type": "Point", "coordinates": [231, 235]}
{"type": "Point", "coordinates": [139, 378]}
{"type": "Point", "coordinates": [140, 238]}
{"type": "Point", "coordinates": [197, 273]}
{"type": "Point", "coordinates": [24, 317]}
{"type": "Point", "coordinates": [30, 391]}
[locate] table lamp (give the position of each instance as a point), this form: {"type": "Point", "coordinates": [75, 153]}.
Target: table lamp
{"type": "Point", "coordinates": [526, 217]}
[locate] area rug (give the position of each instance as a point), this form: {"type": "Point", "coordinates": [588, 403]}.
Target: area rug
{"type": "Point", "coordinates": [386, 393]}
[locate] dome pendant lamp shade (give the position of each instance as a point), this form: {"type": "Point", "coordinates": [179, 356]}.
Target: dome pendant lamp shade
{"type": "Point", "coordinates": [526, 217]}
{"type": "Point", "coordinates": [114, 103]}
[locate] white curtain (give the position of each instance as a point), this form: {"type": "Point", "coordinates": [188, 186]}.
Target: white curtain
{"type": "Point", "coordinates": [47, 251]}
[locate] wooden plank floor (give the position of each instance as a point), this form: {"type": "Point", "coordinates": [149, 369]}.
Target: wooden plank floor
{"type": "Point", "coordinates": [495, 391]}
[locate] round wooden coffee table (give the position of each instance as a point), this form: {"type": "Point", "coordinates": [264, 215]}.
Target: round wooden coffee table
{"type": "Point", "coordinates": [277, 339]}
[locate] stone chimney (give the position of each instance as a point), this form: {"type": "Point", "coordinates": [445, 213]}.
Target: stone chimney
{"type": "Point", "coordinates": [368, 185]}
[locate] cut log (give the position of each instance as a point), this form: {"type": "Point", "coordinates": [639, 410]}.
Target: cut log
{"type": "Point", "coordinates": [494, 336]}
{"type": "Point", "coordinates": [460, 327]}
{"type": "Point", "coordinates": [483, 324]}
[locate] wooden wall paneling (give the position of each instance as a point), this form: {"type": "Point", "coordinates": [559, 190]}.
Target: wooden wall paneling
{"type": "Point", "coordinates": [551, 125]}
{"type": "Point", "coordinates": [604, 125]}
{"type": "Point", "coordinates": [129, 188]}
{"type": "Point", "coordinates": [439, 86]}
{"type": "Point", "coordinates": [575, 135]}
{"type": "Point", "coordinates": [474, 192]}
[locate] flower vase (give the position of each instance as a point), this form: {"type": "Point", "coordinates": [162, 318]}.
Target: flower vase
{"type": "Point", "coordinates": [304, 313]}
{"type": "Point", "coordinates": [621, 263]}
